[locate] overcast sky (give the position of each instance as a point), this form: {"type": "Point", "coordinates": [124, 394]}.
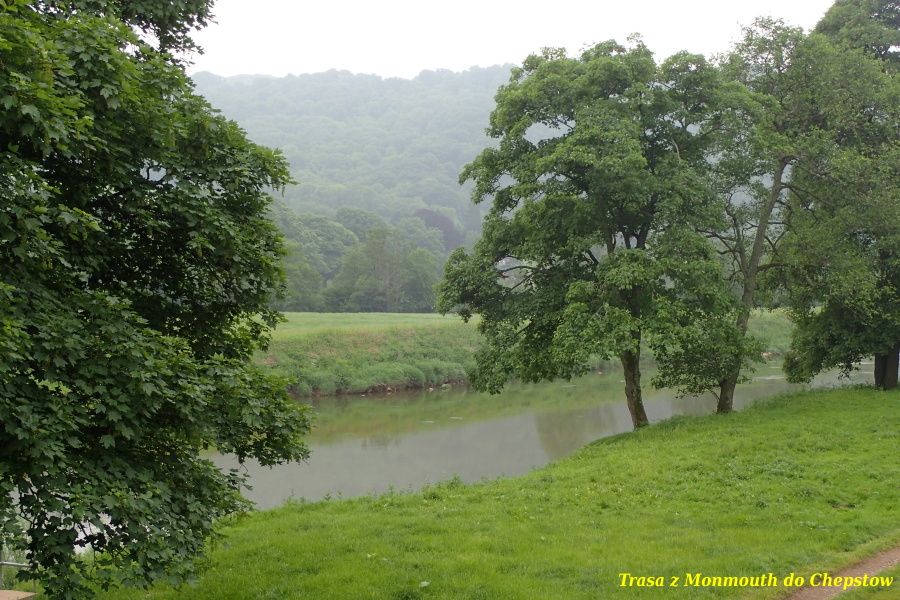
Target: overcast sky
{"type": "Point", "coordinates": [400, 38]}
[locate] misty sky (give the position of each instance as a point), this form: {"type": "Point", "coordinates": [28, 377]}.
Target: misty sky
{"type": "Point", "coordinates": [400, 38]}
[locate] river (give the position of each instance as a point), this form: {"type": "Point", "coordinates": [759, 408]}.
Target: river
{"type": "Point", "coordinates": [370, 444]}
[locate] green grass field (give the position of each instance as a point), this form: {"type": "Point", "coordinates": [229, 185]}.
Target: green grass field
{"type": "Point", "coordinates": [316, 322]}
{"type": "Point", "coordinates": [773, 328]}
{"type": "Point", "coordinates": [358, 352]}
{"type": "Point", "coordinates": [331, 353]}
{"type": "Point", "coordinates": [802, 484]}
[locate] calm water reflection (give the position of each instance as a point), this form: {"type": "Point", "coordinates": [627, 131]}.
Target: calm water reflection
{"type": "Point", "coordinates": [371, 444]}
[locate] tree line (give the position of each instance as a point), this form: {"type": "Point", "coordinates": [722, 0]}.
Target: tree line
{"type": "Point", "coordinates": [640, 204]}
{"type": "Point", "coordinates": [389, 146]}
{"type": "Point", "coordinates": [366, 152]}
{"type": "Point", "coordinates": [356, 262]}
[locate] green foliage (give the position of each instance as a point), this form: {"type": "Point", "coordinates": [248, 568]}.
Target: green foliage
{"type": "Point", "coordinates": [136, 268]}
{"type": "Point", "coordinates": [418, 280]}
{"type": "Point", "coordinates": [871, 25]}
{"type": "Point", "coordinates": [367, 266]}
{"type": "Point", "coordinates": [433, 219]}
{"type": "Point", "coordinates": [810, 101]}
{"type": "Point", "coordinates": [327, 240]}
{"type": "Point", "coordinates": [387, 273]}
{"type": "Point", "coordinates": [843, 272]}
{"type": "Point", "coordinates": [303, 292]}
{"type": "Point", "coordinates": [839, 256]}
{"type": "Point", "coordinates": [804, 483]}
{"type": "Point", "coordinates": [388, 146]}
{"type": "Point", "coordinates": [597, 184]}
{"type": "Point", "coordinates": [358, 221]}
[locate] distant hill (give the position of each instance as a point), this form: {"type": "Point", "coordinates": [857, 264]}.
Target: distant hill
{"type": "Point", "coordinates": [389, 146]}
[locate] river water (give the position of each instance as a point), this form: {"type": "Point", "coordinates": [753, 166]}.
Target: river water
{"type": "Point", "coordinates": [370, 444]}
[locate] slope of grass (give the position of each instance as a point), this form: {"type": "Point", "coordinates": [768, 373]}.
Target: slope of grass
{"type": "Point", "coordinates": [800, 484]}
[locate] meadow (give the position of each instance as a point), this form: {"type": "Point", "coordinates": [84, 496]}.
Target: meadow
{"type": "Point", "coordinates": [797, 484]}
{"type": "Point", "coordinates": [329, 353]}
{"type": "Point", "coordinates": [334, 353]}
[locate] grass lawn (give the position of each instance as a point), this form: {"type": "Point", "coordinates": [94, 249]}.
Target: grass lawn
{"type": "Point", "coordinates": [802, 484]}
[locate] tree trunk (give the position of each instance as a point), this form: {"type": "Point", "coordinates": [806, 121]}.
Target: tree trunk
{"type": "Point", "coordinates": [886, 368]}
{"type": "Point", "coordinates": [726, 393]}
{"type": "Point", "coordinates": [728, 385]}
{"type": "Point", "coordinates": [631, 363]}
{"type": "Point", "coordinates": [749, 266]}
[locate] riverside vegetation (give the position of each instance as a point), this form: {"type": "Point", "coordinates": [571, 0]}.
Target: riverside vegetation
{"type": "Point", "coordinates": [361, 352]}
{"type": "Point", "coordinates": [358, 352]}
{"type": "Point", "coordinates": [802, 483]}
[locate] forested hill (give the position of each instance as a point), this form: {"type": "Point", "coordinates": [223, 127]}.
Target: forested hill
{"type": "Point", "coordinates": [389, 146]}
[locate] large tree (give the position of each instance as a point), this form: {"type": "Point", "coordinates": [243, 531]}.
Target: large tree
{"type": "Point", "coordinates": [589, 249]}
{"type": "Point", "coordinates": [136, 270]}
{"type": "Point", "coordinates": [841, 252]}
{"type": "Point", "coordinates": [812, 98]}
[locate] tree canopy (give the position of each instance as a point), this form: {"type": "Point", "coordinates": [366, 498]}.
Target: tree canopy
{"type": "Point", "coordinates": [774, 135]}
{"type": "Point", "coordinates": [366, 265]}
{"type": "Point", "coordinates": [389, 146]}
{"type": "Point", "coordinates": [870, 25]}
{"type": "Point", "coordinates": [597, 186]}
{"type": "Point", "coordinates": [137, 269]}
{"type": "Point", "coordinates": [840, 265]}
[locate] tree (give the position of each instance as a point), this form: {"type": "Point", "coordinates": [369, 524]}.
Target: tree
{"type": "Point", "coordinates": [751, 166]}
{"type": "Point", "coordinates": [452, 237]}
{"type": "Point", "coordinates": [325, 240]}
{"type": "Point", "coordinates": [841, 251]}
{"type": "Point", "coordinates": [369, 279]}
{"type": "Point", "coordinates": [391, 146]}
{"type": "Point", "coordinates": [417, 281]}
{"type": "Point", "coordinates": [842, 269]}
{"type": "Point", "coordinates": [597, 185]}
{"type": "Point", "coordinates": [808, 97]}
{"type": "Point", "coordinates": [136, 269]}
{"type": "Point", "coordinates": [358, 221]}
{"type": "Point", "coordinates": [870, 25]}
{"type": "Point", "coordinates": [386, 273]}
{"type": "Point", "coordinates": [419, 235]}
{"type": "Point", "coordinates": [304, 285]}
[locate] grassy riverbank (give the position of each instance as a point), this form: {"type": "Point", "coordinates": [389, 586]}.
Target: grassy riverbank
{"type": "Point", "coordinates": [358, 352]}
{"type": "Point", "coordinates": [330, 353]}
{"type": "Point", "coordinates": [799, 484]}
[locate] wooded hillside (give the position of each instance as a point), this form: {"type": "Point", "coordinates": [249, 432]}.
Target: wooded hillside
{"type": "Point", "coordinates": [389, 146]}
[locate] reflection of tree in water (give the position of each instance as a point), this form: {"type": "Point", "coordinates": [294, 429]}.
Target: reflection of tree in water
{"type": "Point", "coordinates": [562, 433]}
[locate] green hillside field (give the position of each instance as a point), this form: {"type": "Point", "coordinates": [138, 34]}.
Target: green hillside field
{"type": "Point", "coordinates": [801, 484]}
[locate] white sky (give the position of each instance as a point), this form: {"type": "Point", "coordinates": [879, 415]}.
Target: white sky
{"type": "Point", "coordinates": [400, 38]}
